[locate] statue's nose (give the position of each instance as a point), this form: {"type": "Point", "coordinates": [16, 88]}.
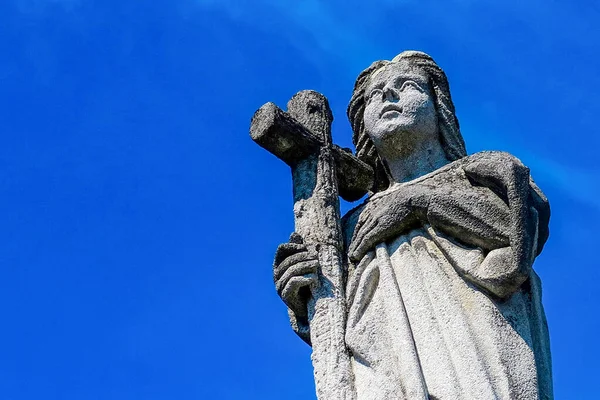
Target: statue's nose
{"type": "Point", "coordinates": [389, 94]}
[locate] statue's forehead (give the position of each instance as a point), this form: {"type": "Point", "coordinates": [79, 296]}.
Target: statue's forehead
{"type": "Point", "coordinates": [394, 70]}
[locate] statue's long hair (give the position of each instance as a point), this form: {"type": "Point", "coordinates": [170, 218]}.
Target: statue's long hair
{"type": "Point", "coordinates": [450, 136]}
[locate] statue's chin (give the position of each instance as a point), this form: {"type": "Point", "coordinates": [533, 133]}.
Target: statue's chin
{"type": "Point", "coordinates": [401, 128]}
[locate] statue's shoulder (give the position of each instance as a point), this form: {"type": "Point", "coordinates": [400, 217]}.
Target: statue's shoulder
{"type": "Point", "coordinates": [492, 157]}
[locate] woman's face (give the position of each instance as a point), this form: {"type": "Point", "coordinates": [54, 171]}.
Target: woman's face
{"type": "Point", "coordinates": [399, 109]}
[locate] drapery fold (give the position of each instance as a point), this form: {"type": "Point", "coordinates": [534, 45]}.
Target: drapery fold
{"type": "Point", "coordinates": [416, 328]}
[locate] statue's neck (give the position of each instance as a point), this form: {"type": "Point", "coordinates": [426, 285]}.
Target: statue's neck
{"type": "Point", "coordinates": [423, 158]}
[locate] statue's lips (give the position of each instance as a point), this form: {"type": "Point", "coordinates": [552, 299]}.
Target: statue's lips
{"type": "Point", "coordinates": [390, 108]}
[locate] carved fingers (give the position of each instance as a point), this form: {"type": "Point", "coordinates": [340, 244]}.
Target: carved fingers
{"type": "Point", "coordinates": [378, 222]}
{"type": "Point", "coordinates": [295, 273]}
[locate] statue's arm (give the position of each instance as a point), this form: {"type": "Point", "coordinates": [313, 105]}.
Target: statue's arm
{"type": "Point", "coordinates": [501, 211]}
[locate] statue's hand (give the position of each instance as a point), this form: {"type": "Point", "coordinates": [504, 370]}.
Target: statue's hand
{"type": "Point", "coordinates": [382, 218]}
{"type": "Point", "coordinates": [295, 274]}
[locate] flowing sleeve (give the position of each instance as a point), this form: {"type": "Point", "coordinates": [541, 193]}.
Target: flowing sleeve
{"type": "Point", "coordinates": [493, 206]}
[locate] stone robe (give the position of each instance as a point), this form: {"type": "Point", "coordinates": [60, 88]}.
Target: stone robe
{"type": "Point", "coordinates": [448, 307]}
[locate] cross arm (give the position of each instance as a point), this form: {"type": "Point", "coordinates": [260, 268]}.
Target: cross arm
{"type": "Point", "coordinates": [279, 133]}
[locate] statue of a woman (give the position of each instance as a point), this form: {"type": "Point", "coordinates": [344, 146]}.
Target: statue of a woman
{"type": "Point", "coordinates": [442, 301]}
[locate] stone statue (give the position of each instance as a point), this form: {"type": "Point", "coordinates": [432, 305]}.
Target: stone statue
{"type": "Point", "coordinates": [426, 290]}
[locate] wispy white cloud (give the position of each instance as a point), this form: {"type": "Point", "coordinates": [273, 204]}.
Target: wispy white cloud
{"type": "Point", "coordinates": [321, 31]}
{"type": "Point", "coordinates": [576, 183]}
{"type": "Point", "coordinates": [355, 48]}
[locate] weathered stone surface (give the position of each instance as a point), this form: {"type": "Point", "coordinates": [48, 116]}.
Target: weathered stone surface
{"type": "Point", "coordinates": [311, 279]}
{"type": "Point", "coordinates": [291, 141]}
{"type": "Point", "coordinates": [425, 290]}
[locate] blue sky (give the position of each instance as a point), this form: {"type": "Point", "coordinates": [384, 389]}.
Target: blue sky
{"type": "Point", "coordinates": [140, 220]}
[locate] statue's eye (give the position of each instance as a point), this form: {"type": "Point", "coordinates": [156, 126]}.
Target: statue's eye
{"type": "Point", "coordinates": [375, 93]}
{"type": "Point", "coordinates": [408, 84]}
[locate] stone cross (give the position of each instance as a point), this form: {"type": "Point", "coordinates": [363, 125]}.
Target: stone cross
{"type": "Point", "coordinates": [321, 172]}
